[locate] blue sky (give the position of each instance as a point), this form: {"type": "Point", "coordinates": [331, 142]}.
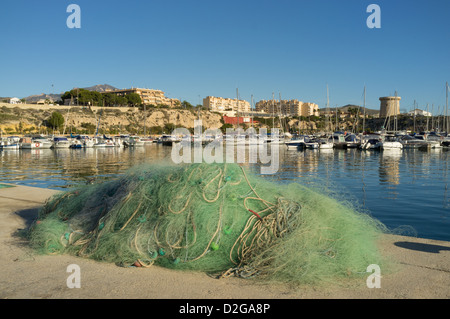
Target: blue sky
{"type": "Point", "coordinates": [194, 48]}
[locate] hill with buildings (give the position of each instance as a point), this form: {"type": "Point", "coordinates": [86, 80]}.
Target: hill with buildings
{"type": "Point", "coordinates": [56, 97]}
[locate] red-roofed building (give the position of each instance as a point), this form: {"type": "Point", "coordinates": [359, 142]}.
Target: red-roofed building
{"type": "Point", "coordinates": [234, 120]}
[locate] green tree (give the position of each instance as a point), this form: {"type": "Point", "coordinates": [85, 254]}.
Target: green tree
{"type": "Point", "coordinates": [168, 128]}
{"type": "Point", "coordinates": [133, 99]}
{"type": "Point", "coordinates": [186, 105]}
{"type": "Point", "coordinates": [110, 99]}
{"type": "Point", "coordinates": [56, 120]}
{"type": "Point", "coordinates": [224, 127]}
{"type": "Point", "coordinates": [121, 100]}
{"type": "Point", "coordinates": [84, 96]}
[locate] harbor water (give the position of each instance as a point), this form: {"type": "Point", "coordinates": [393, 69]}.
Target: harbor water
{"type": "Point", "coordinates": [407, 190]}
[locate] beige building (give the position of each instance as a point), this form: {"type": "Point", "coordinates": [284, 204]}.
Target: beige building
{"type": "Point", "coordinates": [287, 107]}
{"type": "Point", "coordinates": [220, 104]}
{"type": "Point", "coordinates": [148, 96]}
{"type": "Point", "coordinates": [310, 109]}
{"type": "Point", "coordinates": [389, 106]}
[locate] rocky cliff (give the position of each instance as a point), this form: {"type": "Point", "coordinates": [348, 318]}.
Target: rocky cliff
{"type": "Point", "coordinates": [112, 120]}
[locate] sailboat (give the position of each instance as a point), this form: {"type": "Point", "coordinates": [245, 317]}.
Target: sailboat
{"type": "Point", "coordinates": [446, 141]}
{"type": "Point", "coordinates": [327, 143]}
{"type": "Point", "coordinates": [297, 141]}
{"type": "Point", "coordinates": [98, 142]}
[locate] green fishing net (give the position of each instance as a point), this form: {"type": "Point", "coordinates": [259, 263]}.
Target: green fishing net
{"type": "Point", "coordinates": [215, 218]}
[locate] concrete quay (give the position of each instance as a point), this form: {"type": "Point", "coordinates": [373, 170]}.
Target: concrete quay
{"type": "Point", "coordinates": [423, 270]}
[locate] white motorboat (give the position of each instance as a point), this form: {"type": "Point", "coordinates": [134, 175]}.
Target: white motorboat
{"type": "Point", "coordinates": [88, 143]}
{"type": "Point", "coordinates": [410, 142]}
{"type": "Point", "coordinates": [312, 144]}
{"type": "Point", "coordinates": [390, 145]}
{"type": "Point", "coordinates": [371, 144]}
{"type": "Point", "coordinates": [29, 143]}
{"type": "Point", "coordinates": [352, 141]}
{"type": "Point", "coordinates": [389, 142]}
{"type": "Point", "coordinates": [323, 144]}
{"type": "Point", "coordinates": [10, 143]}
{"type": "Point", "coordinates": [61, 142]}
{"type": "Point", "coordinates": [168, 140]}
{"type": "Point", "coordinates": [83, 141]}
{"type": "Point", "coordinates": [296, 142]}
{"type": "Point", "coordinates": [338, 140]}
{"type": "Point", "coordinates": [120, 140]}
{"type": "Point", "coordinates": [45, 142]}
{"type": "Point", "coordinates": [111, 141]}
{"type": "Point", "coordinates": [432, 141]}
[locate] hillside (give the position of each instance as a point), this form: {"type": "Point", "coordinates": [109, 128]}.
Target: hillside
{"type": "Point", "coordinates": [348, 106]}
{"type": "Point", "coordinates": [24, 119]}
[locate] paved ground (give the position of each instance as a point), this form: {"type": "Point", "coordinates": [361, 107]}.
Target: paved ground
{"type": "Point", "coordinates": [423, 270]}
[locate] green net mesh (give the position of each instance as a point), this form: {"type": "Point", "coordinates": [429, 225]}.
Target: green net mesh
{"type": "Point", "coordinates": [216, 218]}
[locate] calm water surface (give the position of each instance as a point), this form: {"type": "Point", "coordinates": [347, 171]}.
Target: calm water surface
{"type": "Point", "coordinates": [406, 189]}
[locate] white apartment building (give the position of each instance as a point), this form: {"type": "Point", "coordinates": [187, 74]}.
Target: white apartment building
{"type": "Point", "coordinates": [220, 104]}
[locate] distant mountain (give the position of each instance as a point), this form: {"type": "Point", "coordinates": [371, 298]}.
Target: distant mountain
{"type": "Point", "coordinates": [101, 88]}
{"type": "Point", "coordinates": [43, 96]}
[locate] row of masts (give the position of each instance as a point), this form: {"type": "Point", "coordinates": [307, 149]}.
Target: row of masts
{"type": "Point", "coordinates": [387, 126]}
{"type": "Point", "coordinates": [445, 118]}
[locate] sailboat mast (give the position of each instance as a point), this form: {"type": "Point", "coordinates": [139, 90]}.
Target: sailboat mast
{"type": "Point", "coordinates": [145, 117]}
{"type": "Point", "coordinates": [273, 110]}
{"type": "Point", "coordinates": [395, 115]}
{"type": "Point", "coordinates": [279, 115]}
{"type": "Point", "coordinates": [336, 128]}
{"type": "Point", "coordinates": [328, 111]}
{"type": "Point", "coordinates": [251, 108]}
{"type": "Point", "coordinates": [446, 107]}
{"type": "Point", "coordinates": [364, 106]}
{"type": "Point", "coordinates": [432, 117]}
{"type": "Point", "coordinates": [237, 107]}
{"type": "Point", "coordinates": [414, 110]}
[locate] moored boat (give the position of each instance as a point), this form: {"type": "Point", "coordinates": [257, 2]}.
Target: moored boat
{"type": "Point", "coordinates": [29, 143]}
{"type": "Point", "coordinates": [10, 143]}
{"type": "Point", "coordinates": [296, 142]}
{"type": "Point", "coordinates": [60, 142]}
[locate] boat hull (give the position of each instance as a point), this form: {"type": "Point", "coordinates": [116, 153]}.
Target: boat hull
{"type": "Point", "coordinates": [34, 145]}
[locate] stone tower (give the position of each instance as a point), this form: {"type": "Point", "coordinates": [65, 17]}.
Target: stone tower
{"type": "Point", "coordinates": [389, 106]}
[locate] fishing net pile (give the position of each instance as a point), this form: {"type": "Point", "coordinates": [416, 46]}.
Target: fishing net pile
{"type": "Point", "coordinates": [215, 218]}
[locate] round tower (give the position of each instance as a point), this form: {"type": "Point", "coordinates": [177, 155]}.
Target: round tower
{"type": "Point", "coordinates": [389, 106]}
